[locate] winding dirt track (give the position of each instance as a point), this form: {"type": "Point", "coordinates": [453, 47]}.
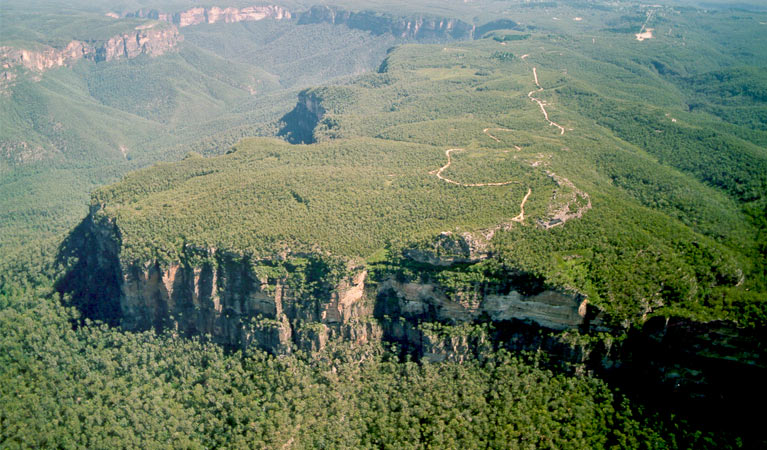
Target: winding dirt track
{"type": "Point", "coordinates": [439, 171]}
{"type": "Point", "coordinates": [519, 218]}
{"type": "Point", "coordinates": [542, 103]}
{"type": "Point", "coordinates": [487, 132]}
{"type": "Point", "coordinates": [559, 216]}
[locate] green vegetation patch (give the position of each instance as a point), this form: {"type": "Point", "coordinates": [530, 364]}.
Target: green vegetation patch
{"type": "Point", "coordinates": [348, 197]}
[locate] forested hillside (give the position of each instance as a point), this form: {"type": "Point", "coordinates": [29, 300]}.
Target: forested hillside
{"type": "Point", "coordinates": [352, 196]}
{"type": "Point", "coordinates": [364, 224]}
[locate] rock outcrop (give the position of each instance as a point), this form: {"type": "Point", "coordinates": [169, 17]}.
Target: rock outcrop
{"type": "Point", "coordinates": [152, 41]}
{"type": "Point", "coordinates": [412, 27]}
{"type": "Point", "coordinates": [417, 27]}
{"type": "Point", "coordinates": [290, 301]}
{"type": "Point", "coordinates": [215, 14]}
{"type": "Point", "coordinates": [427, 302]}
{"type": "Point", "coordinates": [294, 302]}
{"type": "Point", "coordinates": [449, 248]}
{"type": "Point", "coordinates": [438, 326]}
{"type": "Point", "coordinates": [285, 301]}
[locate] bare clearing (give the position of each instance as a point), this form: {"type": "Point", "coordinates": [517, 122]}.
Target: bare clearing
{"type": "Point", "coordinates": [647, 34]}
{"type": "Point", "coordinates": [572, 206]}
{"type": "Point", "coordinates": [644, 32]}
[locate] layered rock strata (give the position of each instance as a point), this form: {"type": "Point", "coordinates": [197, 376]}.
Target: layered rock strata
{"type": "Point", "coordinates": [419, 28]}
{"type": "Point", "coordinates": [215, 14]}
{"type": "Point", "coordinates": [284, 302]}
{"type": "Point", "coordinates": [302, 301]}
{"type": "Point", "coordinates": [151, 41]}
{"type": "Point", "coordinates": [289, 302]}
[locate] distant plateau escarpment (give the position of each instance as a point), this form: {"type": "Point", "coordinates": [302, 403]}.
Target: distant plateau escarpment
{"type": "Point", "coordinates": [200, 15]}
{"type": "Point", "coordinates": [418, 27]}
{"type": "Point", "coordinates": [150, 40]}
{"type": "Point", "coordinates": [155, 39]}
{"type": "Point", "coordinates": [412, 27]}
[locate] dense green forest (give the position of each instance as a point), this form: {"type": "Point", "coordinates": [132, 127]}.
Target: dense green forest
{"type": "Point", "coordinates": [630, 172]}
{"type": "Point", "coordinates": [95, 386]}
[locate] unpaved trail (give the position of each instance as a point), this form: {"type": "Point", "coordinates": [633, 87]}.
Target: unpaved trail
{"type": "Point", "coordinates": [557, 216]}
{"type": "Point", "coordinates": [439, 171]}
{"type": "Point", "coordinates": [521, 217]}
{"type": "Point", "coordinates": [487, 132]}
{"type": "Point", "coordinates": [650, 13]}
{"type": "Point", "coordinates": [490, 232]}
{"type": "Point", "coordinates": [644, 32]}
{"type": "Point", "coordinates": [543, 103]}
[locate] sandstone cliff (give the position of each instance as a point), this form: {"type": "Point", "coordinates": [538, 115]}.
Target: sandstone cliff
{"type": "Point", "coordinates": [152, 41]}
{"type": "Point", "coordinates": [418, 27]}
{"type": "Point", "coordinates": [413, 27]}
{"type": "Point", "coordinates": [291, 302]}
{"type": "Point", "coordinates": [199, 15]}
{"type": "Point", "coordinates": [286, 302]}
{"type": "Point", "coordinates": [298, 125]}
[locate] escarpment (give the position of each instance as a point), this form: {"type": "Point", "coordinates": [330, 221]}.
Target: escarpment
{"type": "Point", "coordinates": [214, 14]}
{"type": "Point", "coordinates": [291, 301]}
{"type": "Point", "coordinates": [298, 125]}
{"type": "Point", "coordinates": [151, 41]}
{"type": "Point", "coordinates": [407, 27]}
{"type": "Point", "coordinates": [420, 27]}
{"type": "Point", "coordinates": [302, 300]}
{"type": "Point", "coordinates": [287, 301]}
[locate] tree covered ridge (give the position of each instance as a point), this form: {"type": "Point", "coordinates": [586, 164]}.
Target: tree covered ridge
{"type": "Point", "coordinates": [667, 234]}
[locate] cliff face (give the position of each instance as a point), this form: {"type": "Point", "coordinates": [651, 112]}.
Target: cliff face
{"type": "Point", "coordinates": [40, 60]}
{"type": "Point", "coordinates": [303, 301]}
{"type": "Point", "coordinates": [197, 16]}
{"type": "Point", "coordinates": [420, 28]}
{"type": "Point", "coordinates": [289, 302]}
{"type": "Point", "coordinates": [299, 124]}
{"type": "Point", "coordinates": [151, 41]}
{"type": "Point", "coordinates": [426, 302]}
{"type": "Point", "coordinates": [411, 314]}
{"type": "Point", "coordinates": [228, 300]}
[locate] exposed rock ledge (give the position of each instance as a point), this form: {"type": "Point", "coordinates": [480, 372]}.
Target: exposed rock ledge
{"type": "Point", "coordinates": [554, 310]}
{"type": "Point", "coordinates": [151, 41]}
{"type": "Point", "coordinates": [215, 14]}
{"type": "Point", "coordinates": [302, 301]}
{"type": "Point", "coordinates": [413, 27]}
{"type": "Point", "coordinates": [288, 301]}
